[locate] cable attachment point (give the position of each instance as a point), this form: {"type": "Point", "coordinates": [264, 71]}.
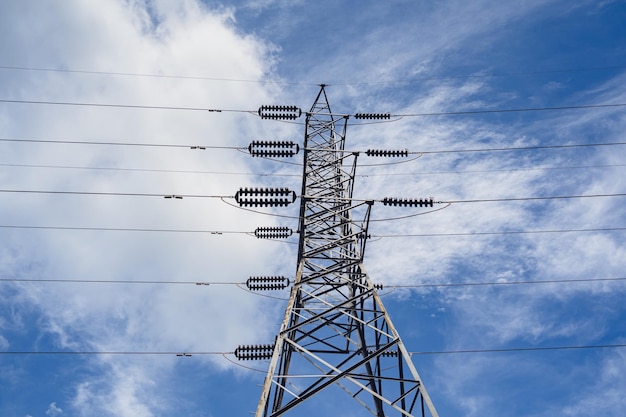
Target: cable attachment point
{"type": "Point", "coordinates": [267, 283]}
{"type": "Point", "coordinates": [280, 112]}
{"type": "Point", "coordinates": [408, 202]}
{"type": "Point", "coordinates": [387, 153]}
{"type": "Point", "coordinates": [372, 116]}
{"type": "Point", "coordinates": [254, 352]}
{"type": "Point", "coordinates": [265, 197]}
{"type": "Point", "coordinates": [273, 148]}
{"type": "Point", "coordinates": [273, 232]}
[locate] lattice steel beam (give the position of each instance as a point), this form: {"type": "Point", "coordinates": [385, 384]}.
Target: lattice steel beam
{"type": "Point", "coordinates": [336, 340]}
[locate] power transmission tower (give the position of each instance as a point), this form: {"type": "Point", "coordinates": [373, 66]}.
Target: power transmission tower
{"type": "Point", "coordinates": [336, 340]}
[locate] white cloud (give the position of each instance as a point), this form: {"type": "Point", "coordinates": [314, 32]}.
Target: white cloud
{"type": "Point", "coordinates": [53, 410]}
{"type": "Point", "coordinates": [168, 37]}
{"type": "Point", "coordinates": [133, 392]}
{"type": "Point", "coordinates": [186, 38]}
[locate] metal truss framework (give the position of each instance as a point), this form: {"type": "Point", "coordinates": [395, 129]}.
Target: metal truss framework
{"type": "Point", "coordinates": [336, 338]}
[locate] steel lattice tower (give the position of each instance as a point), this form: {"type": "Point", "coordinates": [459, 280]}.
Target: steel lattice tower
{"type": "Point", "coordinates": [336, 337]}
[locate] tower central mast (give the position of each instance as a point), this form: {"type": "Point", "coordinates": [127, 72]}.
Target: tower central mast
{"type": "Point", "coordinates": [336, 340]}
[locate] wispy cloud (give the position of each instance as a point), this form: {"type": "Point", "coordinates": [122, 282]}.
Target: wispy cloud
{"type": "Point", "coordinates": [189, 38]}
{"type": "Point", "coordinates": [166, 38]}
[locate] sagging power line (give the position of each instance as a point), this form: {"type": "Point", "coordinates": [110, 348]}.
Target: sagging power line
{"type": "Point", "coordinates": [290, 148]}
{"type": "Point", "coordinates": [256, 233]}
{"type": "Point", "coordinates": [258, 282]}
{"type": "Point", "coordinates": [221, 353]}
{"type": "Point", "coordinates": [480, 74]}
{"type": "Point", "coordinates": [290, 115]}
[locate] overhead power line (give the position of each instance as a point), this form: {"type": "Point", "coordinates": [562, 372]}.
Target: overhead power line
{"type": "Point", "coordinates": [242, 148]}
{"type": "Point", "coordinates": [117, 281]}
{"type": "Point", "coordinates": [520, 349]}
{"type": "Point", "coordinates": [391, 81]}
{"type": "Point", "coordinates": [109, 352]}
{"type": "Point", "coordinates": [505, 232]}
{"type": "Point", "coordinates": [484, 171]}
{"type": "Point", "coordinates": [125, 106]}
{"type": "Point", "coordinates": [276, 174]}
{"type": "Point", "coordinates": [506, 283]}
{"type": "Point", "coordinates": [478, 75]}
{"type": "Point", "coordinates": [205, 353]}
{"type": "Point", "coordinates": [521, 148]}
{"type": "Point", "coordinates": [520, 110]}
{"type": "Point", "coordinates": [94, 193]}
{"type": "Point", "coordinates": [165, 76]}
{"type": "Point", "coordinates": [254, 112]}
{"type": "Point", "coordinates": [381, 236]}
{"type": "Point", "coordinates": [394, 286]}
{"type": "Point", "coordinates": [135, 144]}
{"type": "Point", "coordinates": [172, 171]}
{"type": "Point", "coordinates": [180, 196]}
{"type": "Point", "coordinates": [422, 202]}
{"type": "Point", "coordinates": [561, 197]}
{"type": "Point", "coordinates": [125, 229]}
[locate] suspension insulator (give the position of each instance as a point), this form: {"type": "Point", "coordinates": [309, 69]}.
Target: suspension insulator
{"type": "Point", "coordinates": [273, 232]}
{"type": "Point", "coordinates": [265, 197]}
{"type": "Point", "coordinates": [254, 352]}
{"type": "Point", "coordinates": [372, 116]}
{"type": "Point", "coordinates": [378, 287]}
{"type": "Point", "coordinates": [408, 202]}
{"type": "Point", "coordinates": [274, 149]}
{"type": "Point", "coordinates": [388, 353]}
{"type": "Point", "coordinates": [267, 283]}
{"type": "Point", "coordinates": [387, 153]}
{"type": "Point", "coordinates": [280, 112]}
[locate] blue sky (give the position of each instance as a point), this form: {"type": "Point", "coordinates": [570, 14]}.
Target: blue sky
{"type": "Point", "coordinates": [402, 57]}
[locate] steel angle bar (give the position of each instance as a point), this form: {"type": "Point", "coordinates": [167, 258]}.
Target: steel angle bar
{"type": "Point", "coordinates": [313, 295]}
{"type": "Point", "coordinates": [338, 266]}
{"type": "Point", "coordinates": [282, 387]}
{"type": "Point", "coordinates": [323, 341]}
{"type": "Point", "coordinates": [365, 323]}
{"type": "Point", "coordinates": [334, 293]}
{"type": "Point", "coordinates": [316, 364]}
{"type": "Point", "coordinates": [317, 344]}
{"type": "Point", "coordinates": [340, 374]}
{"type": "Point", "coordinates": [329, 305]}
{"type": "Point", "coordinates": [333, 247]}
{"type": "Point", "coordinates": [326, 213]}
{"type": "Point", "coordinates": [348, 341]}
{"type": "Point", "coordinates": [326, 219]}
{"type": "Point", "coordinates": [333, 308]}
